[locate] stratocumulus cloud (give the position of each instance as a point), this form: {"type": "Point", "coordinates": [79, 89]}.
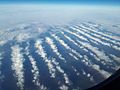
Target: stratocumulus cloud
{"type": "Point", "coordinates": [22, 32]}
{"type": "Point", "coordinates": [69, 38]}
{"type": "Point", "coordinates": [52, 64]}
{"type": "Point", "coordinates": [2, 42]}
{"type": "Point", "coordinates": [53, 47]}
{"type": "Point", "coordinates": [66, 46]}
{"type": "Point", "coordinates": [77, 35]}
{"type": "Point", "coordinates": [106, 36]}
{"type": "Point", "coordinates": [35, 70]}
{"type": "Point", "coordinates": [43, 54]}
{"type": "Point", "coordinates": [17, 65]}
{"type": "Point", "coordinates": [1, 75]}
{"type": "Point", "coordinates": [57, 66]}
{"type": "Point", "coordinates": [100, 54]}
{"type": "Point", "coordinates": [117, 59]}
{"type": "Point", "coordinates": [63, 87]}
{"type": "Point", "coordinates": [81, 31]}
{"type": "Point", "coordinates": [0, 62]}
{"type": "Point", "coordinates": [36, 74]}
{"type": "Point", "coordinates": [98, 36]}
{"type": "Point", "coordinates": [72, 42]}
{"type": "Point", "coordinates": [103, 72]}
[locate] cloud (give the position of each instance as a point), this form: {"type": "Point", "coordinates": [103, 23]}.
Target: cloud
{"type": "Point", "coordinates": [63, 87]}
{"type": "Point", "coordinates": [101, 56]}
{"type": "Point", "coordinates": [116, 47]}
{"type": "Point", "coordinates": [17, 65]}
{"type": "Point", "coordinates": [53, 47]}
{"type": "Point", "coordinates": [73, 43]}
{"type": "Point", "coordinates": [52, 64]}
{"type": "Point", "coordinates": [43, 54]}
{"type": "Point", "coordinates": [106, 36]}
{"type": "Point", "coordinates": [22, 37]}
{"type": "Point", "coordinates": [35, 70]}
{"type": "Point", "coordinates": [66, 46]}
{"type": "Point", "coordinates": [0, 59]}
{"type": "Point", "coordinates": [57, 66]}
{"type": "Point", "coordinates": [84, 32]}
{"type": "Point", "coordinates": [22, 32]}
{"type": "Point", "coordinates": [76, 58]}
{"type": "Point", "coordinates": [76, 71]}
{"type": "Point", "coordinates": [1, 75]}
{"type": "Point", "coordinates": [36, 74]}
{"type": "Point", "coordinates": [117, 59]}
{"type": "Point", "coordinates": [69, 38]}
{"type": "Point", "coordinates": [88, 75]}
{"type": "Point", "coordinates": [2, 42]}
{"type": "Point", "coordinates": [100, 35]}
{"type": "Point", "coordinates": [104, 73]}
{"type": "Point", "coordinates": [77, 35]}
{"type": "Point", "coordinates": [95, 50]}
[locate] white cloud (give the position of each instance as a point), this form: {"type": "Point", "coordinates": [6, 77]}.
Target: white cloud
{"type": "Point", "coordinates": [84, 32]}
{"type": "Point", "coordinates": [76, 58]}
{"type": "Point", "coordinates": [2, 42]}
{"type": "Point", "coordinates": [117, 59]}
{"type": "Point", "coordinates": [22, 32]}
{"type": "Point", "coordinates": [53, 47]}
{"type": "Point", "coordinates": [105, 36]}
{"type": "Point", "coordinates": [66, 46]}
{"type": "Point", "coordinates": [86, 61]}
{"type": "Point", "coordinates": [22, 37]}
{"type": "Point", "coordinates": [43, 54]}
{"type": "Point", "coordinates": [75, 34]}
{"type": "Point", "coordinates": [0, 58]}
{"type": "Point", "coordinates": [52, 64]}
{"type": "Point", "coordinates": [81, 47]}
{"type": "Point", "coordinates": [116, 47]}
{"type": "Point", "coordinates": [87, 46]}
{"type": "Point", "coordinates": [104, 73]}
{"type": "Point", "coordinates": [101, 56]}
{"type": "Point", "coordinates": [75, 70]}
{"type": "Point", "coordinates": [57, 66]}
{"type": "Point", "coordinates": [70, 40]}
{"type": "Point", "coordinates": [36, 74]}
{"type": "Point", "coordinates": [64, 87]}
{"type": "Point", "coordinates": [1, 75]}
{"type": "Point", "coordinates": [88, 75]}
{"type": "Point", "coordinates": [17, 65]}
{"type": "Point", "coordinates": [35, 70]}
{"type": "Point", "coordinates": [95, 50]}
{"type": "Point", "coordinates": [102, 36]}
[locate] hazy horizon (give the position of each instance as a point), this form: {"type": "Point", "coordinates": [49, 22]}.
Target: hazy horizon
{"type": "Point", "coordinates": [72, 2]}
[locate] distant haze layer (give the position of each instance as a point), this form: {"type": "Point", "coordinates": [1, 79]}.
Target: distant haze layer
{"type": "Point", "coordinates": [12, 14]}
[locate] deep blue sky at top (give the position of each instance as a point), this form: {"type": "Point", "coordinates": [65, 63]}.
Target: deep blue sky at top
{"type": "Point", "coordinates": [111, 2]}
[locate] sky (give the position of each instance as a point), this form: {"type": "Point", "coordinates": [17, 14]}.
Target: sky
{"type": "Point", "coordinates": [113, 2]}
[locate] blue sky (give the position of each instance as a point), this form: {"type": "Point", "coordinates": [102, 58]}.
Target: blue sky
{"type": "Point", "coordinates": [113, 2]}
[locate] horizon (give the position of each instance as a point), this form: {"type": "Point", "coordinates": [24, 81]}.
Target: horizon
{"type": "Point", "coordinates": [64, 2]}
